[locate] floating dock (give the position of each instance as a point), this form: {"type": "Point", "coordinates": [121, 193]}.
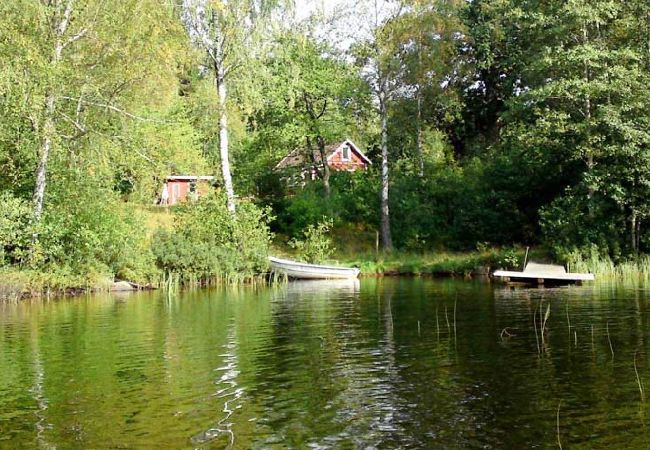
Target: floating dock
{"type": "Point", "coordinates": [543, 274]}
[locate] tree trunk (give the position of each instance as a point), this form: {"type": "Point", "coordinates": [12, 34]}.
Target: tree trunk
{"type": "Point", "coordinates": [220, 84]}
{"type": "Point", "coordinates": [326, 167]}
{"type": "Point", "coordinates": [46, 146]}
{"type": "Point", "coordinates": [588, 107]}
{"type": "Point", "coordinates": [633, 229]}
{"type": "Point", "coordinates": [418, 139]}
{"type": "Point", "coordinates": [386, 239]}
{"type": "Point", "coordinates": [60, 25]}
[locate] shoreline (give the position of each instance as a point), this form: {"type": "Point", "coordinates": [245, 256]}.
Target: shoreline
{"type": "Point", "coordinates": [17, 285]}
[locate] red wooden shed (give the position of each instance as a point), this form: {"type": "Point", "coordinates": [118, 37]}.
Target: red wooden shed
{"type": "Point", "coordinates": [181, 188]}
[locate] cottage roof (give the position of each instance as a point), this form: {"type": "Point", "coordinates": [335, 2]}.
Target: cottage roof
{"type": "Point", "coordinates": [297, 157]}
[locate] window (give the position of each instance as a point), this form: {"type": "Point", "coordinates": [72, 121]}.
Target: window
{"type": "Point", "coordinates": [346, 153]}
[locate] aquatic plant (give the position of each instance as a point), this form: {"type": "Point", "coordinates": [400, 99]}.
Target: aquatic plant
{"type": "Point", "coordinates": [557, 426]}
{"type": "Point", "coordinates": [638, 379]}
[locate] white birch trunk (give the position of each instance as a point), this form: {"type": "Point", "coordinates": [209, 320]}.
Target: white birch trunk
{"type": "Point", "coordinates": [418, 139]}
{"type": "Point", "coordinates": [46, 146]}
{"type": "Point", "coordinates": [60, 27]}
{"type": "Point", "coordinates": [387, 241]}
{"type": "Point", "coordinates": [220, 82]}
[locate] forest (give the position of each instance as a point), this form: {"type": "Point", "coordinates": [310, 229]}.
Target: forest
{"type": "Point", "coordinates": [489, 124]}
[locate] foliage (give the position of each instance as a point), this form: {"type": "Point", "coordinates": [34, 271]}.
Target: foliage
{"type": "Point", "coordinates": [209, 242]}
{"type": "Point", "coordinates": [16, 229]}
{"type": "Point", "coordinates": [89, 230]}
{"type": "Point", "coordinates": [316, 243]}
{"type": "Point", "coordinates": [353, 200]}
{"type": "Point", "coordinates": [500, 122]}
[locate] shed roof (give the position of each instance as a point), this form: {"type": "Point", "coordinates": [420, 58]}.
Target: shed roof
{"type": "Point", "coordinates": [189, 178]}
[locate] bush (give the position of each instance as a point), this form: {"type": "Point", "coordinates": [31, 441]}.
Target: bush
{"type": "Point", "coordinates": [316, 245]}
{"type": "Point", "coordinates": [16, 229]}
{"type": "Point", "coordinates": [208, 242]}
{"type": "Point", "coordinates": [305, 208]}
{"type": "Point", "coordinates": [569, 226]}
{"type": "Point", "coordinates": [88, 231]}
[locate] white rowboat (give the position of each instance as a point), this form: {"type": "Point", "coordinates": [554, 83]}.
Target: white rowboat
{"type": "Point", "coordinates": [295, 269]}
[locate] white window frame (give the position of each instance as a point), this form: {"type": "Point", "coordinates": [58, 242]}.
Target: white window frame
{"type": "Point", "coordinates": [349, 150]}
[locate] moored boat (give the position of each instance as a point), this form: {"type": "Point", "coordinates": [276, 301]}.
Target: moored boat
{"type": "Point", "coordinates": [300, 270]}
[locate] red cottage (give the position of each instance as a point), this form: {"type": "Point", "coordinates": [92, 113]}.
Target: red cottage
{"type": "Point", "coordinates": [180, 188]}
{"type": "Point", "coordinates": [342, 156]}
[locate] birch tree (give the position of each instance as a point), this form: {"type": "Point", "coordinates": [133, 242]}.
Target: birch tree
{"type": "Point", "coordinates": [225, 31]}
{"type": "Point", "coordinates": [74, 67]}
{"type": "Point", "coordinates": [380, 63]}
{"type": "Point", "coordinates": [429, 33]}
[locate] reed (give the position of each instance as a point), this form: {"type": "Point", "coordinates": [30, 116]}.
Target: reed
{"type": "Point", "coordinates": [173, 281]}
{"type": "Point", "coordinates": [638, 380]}
{"type": "Point", "coordinates": [535, 325]}
{"type": "Point", "coordinates": [547, 314]}
{"type": "Point", "coordinates": [505, 333]}
{"type": "Point", "coordinates": [447, 319]}
{"type": "Point", "coordinates": [604, 267]}
{"type": "Point", "coordinates": [611, 347]}
{"type": "Point", "coordinates": [455, 300]}
{"type": "Point", "coordinates": [557, 425]}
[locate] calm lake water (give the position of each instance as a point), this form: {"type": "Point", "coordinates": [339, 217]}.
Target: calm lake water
{"type": "Point", "coordinates": [391, 363]}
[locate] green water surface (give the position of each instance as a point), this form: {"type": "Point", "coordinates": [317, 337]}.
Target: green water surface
{"type": "Point", "coordinates": [401, 363]}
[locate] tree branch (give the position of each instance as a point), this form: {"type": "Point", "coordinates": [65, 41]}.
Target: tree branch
{"type": "Point", "coordinates": [75, 38]}
{"type": "Point", "coordinates": [113, 108]}
{"type": "Point", "coordinates": [63, 25]}
{"type": "Point", "coordinates": [82, 130]}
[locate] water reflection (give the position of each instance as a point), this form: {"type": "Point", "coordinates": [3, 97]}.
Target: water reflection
{"type": "Point", "coordinates": [227, 389]}
{"type": "Point", "coordinates": [380, 363]}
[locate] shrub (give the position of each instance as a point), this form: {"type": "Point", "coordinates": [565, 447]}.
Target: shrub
{"type": "Point", "coordinates": [316, 245]}
{"type": "Point", "coordinates": [209, 242]}
{"type": "Point", "coordinates": [88, 231]}
{"type": "Point", "coordinates": [16, 229]}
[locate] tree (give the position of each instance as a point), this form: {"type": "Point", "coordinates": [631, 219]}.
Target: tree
{"type": "Point", "coordinates": [320, 90]}
{"type": "Point", "coordinates": [585, 100]}
{"type": "Point", "coordinates": [225, 31]}
{"type": "Point", "coordinates": [380, 62]}
{"type": "Point", "coordinates": [77, 61]}
{"type": "Point", "coordinates": [429, 34]}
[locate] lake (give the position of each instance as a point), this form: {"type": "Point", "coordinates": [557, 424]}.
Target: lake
{"type": "Point", "coordinates": [387, 363]}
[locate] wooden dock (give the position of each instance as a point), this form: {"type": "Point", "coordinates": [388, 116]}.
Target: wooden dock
{"type": "Point", "coordinates": [543, 273]}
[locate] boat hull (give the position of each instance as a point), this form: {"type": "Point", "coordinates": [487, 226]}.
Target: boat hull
{"type": "Point", "coordinates": [304, 271]}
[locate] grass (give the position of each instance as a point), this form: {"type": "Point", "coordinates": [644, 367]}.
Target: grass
{"type": "Point", "coordinates": [434, 263]}
{"type": "Point", "coordinates": [355, 247]}
{"type": "Point", "coordinates": [16, 284]}
{"type": "Point", "coordinates": [635, 269]}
